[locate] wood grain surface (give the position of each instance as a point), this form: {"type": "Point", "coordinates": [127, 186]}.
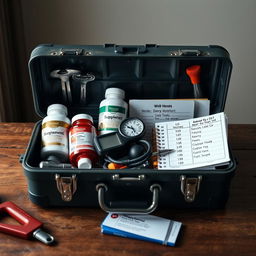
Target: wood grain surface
{"type": "Point", "coordinates": [230, 231]}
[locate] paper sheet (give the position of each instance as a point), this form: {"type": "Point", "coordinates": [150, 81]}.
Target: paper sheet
{"type": "Point", "coordinates": [197, 142]}
{"type": "Point", "coordinates": [152, 111]}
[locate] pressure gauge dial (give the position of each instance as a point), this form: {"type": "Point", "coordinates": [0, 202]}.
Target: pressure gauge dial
{"type": "Point", "coordinates": [132, 128]}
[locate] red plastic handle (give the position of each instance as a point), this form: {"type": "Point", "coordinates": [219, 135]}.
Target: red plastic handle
{"type": "Point", "coordinates": [28, 223]}
{"type": "Point", "coordinates": [194, 73]}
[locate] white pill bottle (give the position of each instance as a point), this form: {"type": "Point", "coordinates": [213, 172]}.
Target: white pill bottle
{"type": "Point", "coordinates": [112, 110]}
{"type": "Point", "coordinates": [55, 127]}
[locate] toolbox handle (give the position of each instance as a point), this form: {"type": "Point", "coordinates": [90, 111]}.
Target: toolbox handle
{"type": "Point", "coordinates": [155, 188]}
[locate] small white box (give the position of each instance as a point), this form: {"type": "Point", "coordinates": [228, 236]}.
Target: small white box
{"type": "Point", "coordinates": [144, 227]}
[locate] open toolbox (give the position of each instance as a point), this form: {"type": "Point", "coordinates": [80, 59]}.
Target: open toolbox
{"type": "Point", "coordinates": [143, 72]}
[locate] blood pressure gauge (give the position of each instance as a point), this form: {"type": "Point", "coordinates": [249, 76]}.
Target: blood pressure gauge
{"type": "Point", "coordinates": [130, 130]}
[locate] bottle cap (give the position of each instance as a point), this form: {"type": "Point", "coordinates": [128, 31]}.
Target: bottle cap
{"type": "Point", "coordinates": [116, 91]}
{"type": "Point", "coordinates": [81, 116]}
{"type": "Point", "coordinates": [57, 107]}
{"type": "Point", "coordinates": [84, 163]}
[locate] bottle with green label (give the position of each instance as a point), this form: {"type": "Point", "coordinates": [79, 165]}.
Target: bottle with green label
{"type": "Point", "coordinates": [113, 110]}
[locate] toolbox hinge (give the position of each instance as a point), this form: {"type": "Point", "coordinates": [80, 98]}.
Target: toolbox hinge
{"type": "Point", "coordinates": [190, 187]}
{"type": "Point", "coordinates": [66, 186]}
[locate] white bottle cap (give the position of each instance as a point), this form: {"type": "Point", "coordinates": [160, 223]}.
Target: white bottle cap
{"type": "Point", "coordinates": [57, 107]}
{"type": "Point", "coordinates": [84, 163]}
{"type": "Point", "coordinates": [116, 91]}
{"type": "Point", "coordinates": [81, 116]}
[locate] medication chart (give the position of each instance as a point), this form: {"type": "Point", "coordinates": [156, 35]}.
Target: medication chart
{"type": "Point", "coordinates": [197, 142]}
{"type": "Point", "coordinates": [152, 111]}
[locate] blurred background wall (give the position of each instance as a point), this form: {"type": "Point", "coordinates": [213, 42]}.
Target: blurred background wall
{"type": "Point", "coordinates": [230, 23]}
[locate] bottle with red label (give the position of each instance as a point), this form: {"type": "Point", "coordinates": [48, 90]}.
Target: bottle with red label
{"type": "Point", "coordinates": [81, 135]}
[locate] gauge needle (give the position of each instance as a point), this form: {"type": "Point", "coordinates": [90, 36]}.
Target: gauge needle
{"type": "Point", "coordinates": [130, 127]}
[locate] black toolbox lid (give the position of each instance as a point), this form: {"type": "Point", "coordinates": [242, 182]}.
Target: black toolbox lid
{"type": "Point", "coordinates": [144, 72]}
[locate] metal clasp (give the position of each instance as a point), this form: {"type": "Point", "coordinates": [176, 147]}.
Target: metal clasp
{"type": "Point", "coordinates": [67, 186]}
{"type": "Point", "coordinates": [190, 187]}
{"type": "Point", "coordinates": [186, 53]}
{"type": "Point", "coordinates": [139, 178]}
{"type": "Point", "coordinates": [71, 51]}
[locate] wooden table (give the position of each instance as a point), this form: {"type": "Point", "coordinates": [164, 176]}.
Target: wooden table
{"type": "Point", "coordinates": [230, 231]}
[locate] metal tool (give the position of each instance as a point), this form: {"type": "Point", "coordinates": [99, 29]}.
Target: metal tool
{"type": "Point", "coordinates": [163, 152]}
{"type": "Point", "coordinates": [83, 79]}
{"type": "Point", "coordinates": [194, 74]}
{"type": "Point", "coordinates": [51, 164]}
{"type": "Point", "coordinates": [30, 227]}
{"type": "Point", "coordinates": [64, 75]}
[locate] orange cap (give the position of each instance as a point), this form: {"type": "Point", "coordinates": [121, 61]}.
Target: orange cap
{"type": "Point", "coordinates": [113, 166]}
{"type": "Point", "coordinates": [194, 73]}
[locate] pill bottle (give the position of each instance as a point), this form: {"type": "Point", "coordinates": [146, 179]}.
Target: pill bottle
{"type": "Point", "coordinates": [112, 110]}
{"type": "Point", "coordinates": [54, 134]}
{"type": "Point", "coordinates": [81, 135]}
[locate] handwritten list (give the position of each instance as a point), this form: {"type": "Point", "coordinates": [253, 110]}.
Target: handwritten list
{"type": "Point", "coordinates": [197, 142]}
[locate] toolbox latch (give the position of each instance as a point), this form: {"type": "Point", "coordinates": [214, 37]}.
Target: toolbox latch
{"type": "Point", "coordinates": [66, 186]}
{"type": "Point", "coordinates": [186, 53]}
{"type": "Point", "coordinates": [190, 187]}
{"type": "Point", "coordinates": [120, 49]}
{"type": "Point", "coordinates": [71, 51]}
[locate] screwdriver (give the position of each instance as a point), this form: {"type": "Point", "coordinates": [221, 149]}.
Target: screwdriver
{"type": "Point", "coordinates": [194, 74]}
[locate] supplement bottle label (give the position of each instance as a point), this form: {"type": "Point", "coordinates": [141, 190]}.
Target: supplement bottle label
{"type": "Point", "coordinates": [55, 133]}
{"type": "Point", "coordinates": [80, 138]}
{"type": "Point", "coordinates": [110, 117]}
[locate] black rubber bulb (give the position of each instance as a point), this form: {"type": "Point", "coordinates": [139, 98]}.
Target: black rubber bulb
{"type": "Point", "coordinates": [136, 150]}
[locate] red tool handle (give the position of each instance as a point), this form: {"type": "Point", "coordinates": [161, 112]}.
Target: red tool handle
{"type": "Point", "coordinates": [28, 223]}
{"type": "Point", "coordinates": [194, 73]}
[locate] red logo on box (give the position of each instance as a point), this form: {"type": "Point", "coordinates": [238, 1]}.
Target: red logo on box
{"type": "Point", "coordinates": [114, 216]}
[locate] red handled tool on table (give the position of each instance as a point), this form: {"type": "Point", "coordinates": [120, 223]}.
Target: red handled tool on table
{"type": "Point", "coordinates": [194, 74]}
{"type": "Point", "coordinates": [30, 227]}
